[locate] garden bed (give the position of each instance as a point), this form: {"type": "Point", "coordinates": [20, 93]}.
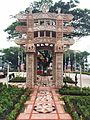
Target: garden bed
{"type": "Point", "coordinates": [77, 102]}
{"type": "Point", "coordinates": [78, 107]}
{"type": "Point", "coordinates": [11, 101]}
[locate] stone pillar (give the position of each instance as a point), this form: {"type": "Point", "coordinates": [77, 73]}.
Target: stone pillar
{"type": "Point", "coordinates": [35, 68]}
{"type": "Point", "coordinates": [59, 51]}
{"type": "Point", "coordinates": [30, 70]}
{"type": "Point", "coordinates": [30, 25]}
{"type": "Point", "coordinates": [54, 69]}
{"type": "Point", "coordinates": [59, 63]}
{"type": "Point", "coordinates": [59, 69]}
{"type": "Point", "coordinates": [30, 62]}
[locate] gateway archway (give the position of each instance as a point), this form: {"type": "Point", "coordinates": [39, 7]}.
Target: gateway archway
{"type": "Point", "coordinates": [45, 53]}
{"type": "Point", "coordinates": [44, 30]}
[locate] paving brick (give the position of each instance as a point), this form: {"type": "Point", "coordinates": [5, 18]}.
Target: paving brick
{"type": "Point", "coordinates": [60, 109]}
{"type": "Point", "coordinates": [28, 103]}
{"type": "Point", "coordinates": [65, 117]}
{"type": "Point", "coordinates": [44, 117]}
{"type": "Point", "coordinates": [32, 98]}
{"type": "Point", "coordinates": [23, 116]}
{"type": "Point", "coordinates": [56, 98]}
{"type": "Point", "coordinates": [28, 109]}
{"type": "Point", "coordinates": [60, 102]}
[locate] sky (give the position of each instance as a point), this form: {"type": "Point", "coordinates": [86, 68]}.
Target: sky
{"type": "Point", "coordinates": [12, 7]}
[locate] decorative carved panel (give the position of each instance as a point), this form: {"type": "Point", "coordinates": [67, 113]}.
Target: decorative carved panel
{"type": "Point", "coordinates": [48, 28]}
{"type": "Point", "coordinates": [66, 17]}
{"type": "Point", "coordinates": [44, 40]}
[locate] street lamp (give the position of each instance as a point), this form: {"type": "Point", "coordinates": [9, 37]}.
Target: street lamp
{"type": "Point", "coordinates": [81, 77]}
{"type": "Point", "coordinates": [69, 66]}
{"type": "Point", "coordinates": [75, 60]}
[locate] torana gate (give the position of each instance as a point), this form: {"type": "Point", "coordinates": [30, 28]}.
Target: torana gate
{"type": "Point", "coordinates": [44, 30]}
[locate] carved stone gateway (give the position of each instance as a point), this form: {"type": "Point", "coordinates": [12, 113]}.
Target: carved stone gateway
{"type": "Point", "coordinates": [44, 30]}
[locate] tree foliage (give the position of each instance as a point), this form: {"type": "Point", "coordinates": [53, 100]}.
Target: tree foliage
{"type": "Point", "coordinates": [44, 60]}
{"type": "Point", "coordinates": [75, 56]}
{"type": "Point", "coordinates": [11, 55]}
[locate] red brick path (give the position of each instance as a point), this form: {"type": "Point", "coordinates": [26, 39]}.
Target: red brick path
{"type": "Point", "coordinates": [30, 114]}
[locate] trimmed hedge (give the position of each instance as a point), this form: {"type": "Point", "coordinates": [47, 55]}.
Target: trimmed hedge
{"type": "Point", "coordinates": [74, 91]}
{"type": "Point", "coordinates": [18, 79]}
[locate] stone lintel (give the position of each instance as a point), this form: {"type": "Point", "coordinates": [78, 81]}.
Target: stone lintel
{"type": "Point", "coordinates": [66, 17]}
{"type": "Point", "coordinates": [68, 41]}
{"type": "Point", "coordinates": [22, 29]}
{"type": "Point", "coordinates": [20, 41]}
{"type": "Point", "coordinates": [49, 40]}
{"type": "Point", "coordinates": [67, 29]}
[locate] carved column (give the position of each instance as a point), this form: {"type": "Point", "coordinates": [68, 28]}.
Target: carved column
{"type": "Point", "coordinates": [54, 68]}
{"type": "Point", "coordinates": [30, 62]}
{"type": "Point", "coordinates": [30, 70]}
{"type": "Point", "coordinates": [35, 68]}
{"type": "Point", "coordinates": [59, 28]}
{"type": "Point", "coordinates": [30, 25]}
{"type": "Point", "coordinates": [59, 69]}
{"type": "Point", "coordinates": [59, 63]}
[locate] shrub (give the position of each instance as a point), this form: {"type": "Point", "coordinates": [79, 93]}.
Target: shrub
{"type": "Point", "coordinates": [9, 97]}
{"type": "Point", "coordinates": [18, 106]}
{"type": "Point", "coordinates": [68, 80]}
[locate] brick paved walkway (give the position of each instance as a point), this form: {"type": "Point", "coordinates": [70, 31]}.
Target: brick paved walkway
{"type": "Point", "coordinates": [44, 104]}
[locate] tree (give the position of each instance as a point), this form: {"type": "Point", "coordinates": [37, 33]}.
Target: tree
{"type": "Point", "coordinates": [80, 58]}
{"type": "Point", "coordinates": [44, 59]}
{"type": "Point", "coordinates": [11, 55]}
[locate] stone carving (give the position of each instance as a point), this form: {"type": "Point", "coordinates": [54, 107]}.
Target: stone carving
{"type": "Point", "coordinates": [59, 10]}
{"type": "Point", "coordinates": [45, 40]}
{"type": "Point", "coordinates": [59, 46]}
{"type": "Point", "coordinates": [30, 8]}
{"type": "Point", "coordinates": [45, 8]}
{"type": "Point", "coordinates": [30, 47]}
{"type": "Point", "coordinates": [45, 27]}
